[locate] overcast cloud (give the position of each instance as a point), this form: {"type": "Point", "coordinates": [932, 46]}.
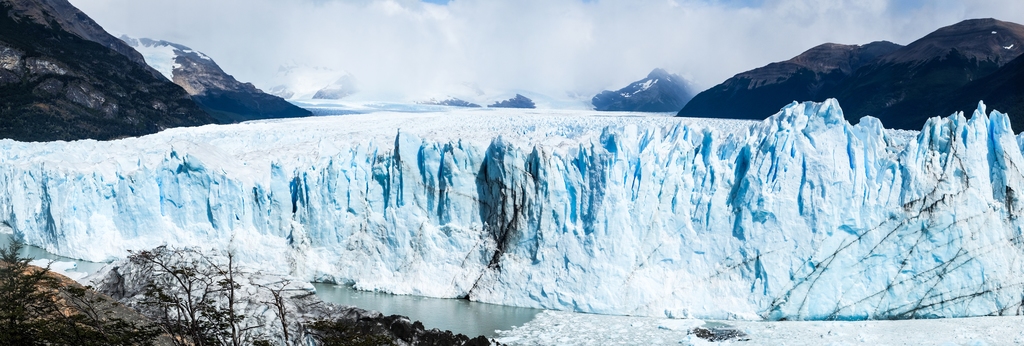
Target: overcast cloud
{"type": "Point", "coordinates": [410, 49]}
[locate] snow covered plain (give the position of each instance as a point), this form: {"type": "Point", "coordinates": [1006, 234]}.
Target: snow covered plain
{"type": "Point", "coordinates": [799, 217]}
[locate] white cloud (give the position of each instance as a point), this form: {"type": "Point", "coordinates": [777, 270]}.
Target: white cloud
{"type": "Point", "coordinates": [409, 49]}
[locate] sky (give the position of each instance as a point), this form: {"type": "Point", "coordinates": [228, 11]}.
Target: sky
{"type": "Point", "coordinates": [486, 49]}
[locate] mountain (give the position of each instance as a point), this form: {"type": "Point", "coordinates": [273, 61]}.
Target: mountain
{"type": "Point", "coordinates": [1000, 90]}
{"type": "Point", "coordinates": [343, 86]}
{"type": "Point", "coordinates": [220, 94]}
{"type": "Point", "coordinates": [812, 75]}
{"type": "Point", "coordinates": [296, 80]}
{"type": "Point", "coordinates": [902, 86]}
{"type": "Point", "coordinates": [69, 18]}
{"type": "Point", "coordinates": [519, 101]}
{"type": "Point", "coordinates": [57, 84]}
{"type": "Point", "coordinates": [659, 92]}
{"type": "Point", "coordinates": [451, 102]}
{"type": "Point", "coordinates": [800, 216]}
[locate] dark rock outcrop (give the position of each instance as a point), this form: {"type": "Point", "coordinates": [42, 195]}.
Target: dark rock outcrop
{"type": "Point", "coordinates": [57, 85]}
{"type": "Point", "coordinates": [400, 329]}
{"type": "Point", "coordinates": [659, 92]}
{"type": "Point", "coordinates": [519, 101]}
{"type": "Point", "coordinates": [220, 94]}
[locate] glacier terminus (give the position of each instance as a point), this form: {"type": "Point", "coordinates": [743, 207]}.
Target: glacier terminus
{"type": "Point", "coordinates": [802, 216]}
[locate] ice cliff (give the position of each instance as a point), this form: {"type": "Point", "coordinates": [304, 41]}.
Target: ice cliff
{"type": "Point", "coordinates": [801, 216]}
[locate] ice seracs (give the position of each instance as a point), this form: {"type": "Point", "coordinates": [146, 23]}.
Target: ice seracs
{"type": "Point", "coordinates": [801, 216]}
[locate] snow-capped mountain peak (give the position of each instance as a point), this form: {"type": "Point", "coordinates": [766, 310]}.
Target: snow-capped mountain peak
{"type": "Point", "coordinates": [161, 54]}
{"type": "Point", "coordinates": [659, 92]}
{"type": "Point", "coordinates": [224, 97]}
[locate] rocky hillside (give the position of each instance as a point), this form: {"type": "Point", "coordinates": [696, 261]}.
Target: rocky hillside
{"type": "Point", "coordinates": [57, 84]}
{"type": "Point", "coordinates": [906, 87]}
{"type": "Point", "coordinates": [902, 86]}
{"type": "Point", "coordinates": [69, 18]}
{"type": "Point", "coordinates": [220, 94]}
{"type": "Point", "coordinates": [812, 75]}
{"type": "Point", "coordinates": [1000, 90]}
{"type": "Point", "coordinates": [659, 92]}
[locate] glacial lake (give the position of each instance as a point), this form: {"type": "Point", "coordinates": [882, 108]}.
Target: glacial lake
{"type": "Point", "coordinates": [39, 253]}
{"type": "Point", "coordinates": [457, 315]}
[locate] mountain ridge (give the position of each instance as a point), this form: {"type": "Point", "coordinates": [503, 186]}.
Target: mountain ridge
{"type": "Point", "coordinates": [901, 85]}
{"type": "Point", "coordinates": [217, 92]}
{"type": "Point", "coordinates": [57, 85]}
{"type": "Point", "coordinates": [660, 91]}
{"type": "Point", "coordinates": [72, 20]}
{"type": "Point", "coordinates": [764, 90]}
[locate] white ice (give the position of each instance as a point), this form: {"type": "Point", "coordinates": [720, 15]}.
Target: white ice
{"type": "Point", "coordinates": [801, 216]}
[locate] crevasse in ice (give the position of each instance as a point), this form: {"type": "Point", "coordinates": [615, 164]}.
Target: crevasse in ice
{"type": "Point", "coordinates": [801, 216]}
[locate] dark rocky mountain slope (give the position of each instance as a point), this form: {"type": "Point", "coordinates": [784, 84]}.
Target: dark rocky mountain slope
{"type": "Point", "coordinates": [69, 18]}
{"type": "Point", "coordinates": [902, 86]}
{"type": "Point", "coordinates": [1002, 90]}
{"type": "Point", "coordinates": [659, 92]}
{"type": "Point", "coordinates": [810, 76]}
{"type": "Point", "coordinates": [58, 85]}
{"type": "Point", "coordinates": [220, 94]}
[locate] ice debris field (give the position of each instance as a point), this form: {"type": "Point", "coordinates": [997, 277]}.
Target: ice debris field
{"type": "Point", "coordinates": [576, 329]}
{"type": "Point", "coordinates": [802, 216]}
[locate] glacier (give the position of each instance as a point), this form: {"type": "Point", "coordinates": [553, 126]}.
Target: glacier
{"type": "Point", "coordinates": [802, 216]}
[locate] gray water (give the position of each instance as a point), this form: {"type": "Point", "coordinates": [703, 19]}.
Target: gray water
{"type": "Point", "coordinates": [460, 316]}
{"type": "Point", "coordinates": [39, 253]}
{"type": "Point", "coordinates": [457, 315]}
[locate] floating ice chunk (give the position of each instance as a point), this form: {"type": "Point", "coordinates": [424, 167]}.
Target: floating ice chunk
{"type": "Point", "coordinates": [59, 267]}
{"type": "Point", "coordinates": [683, 325]}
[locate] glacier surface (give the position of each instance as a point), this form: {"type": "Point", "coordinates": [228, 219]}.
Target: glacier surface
{"type": "Point", "coordinates": [801, 216]}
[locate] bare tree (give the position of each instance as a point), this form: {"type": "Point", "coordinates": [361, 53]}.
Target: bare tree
{"type": "Point", "coordinates": [178, 294]}
{"type": "Point", "coordinates": [195, 298]}
{"type": "Point", "coordinates": [278, 303]}
{"type": "Point", "coordinates": [243, 329]}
